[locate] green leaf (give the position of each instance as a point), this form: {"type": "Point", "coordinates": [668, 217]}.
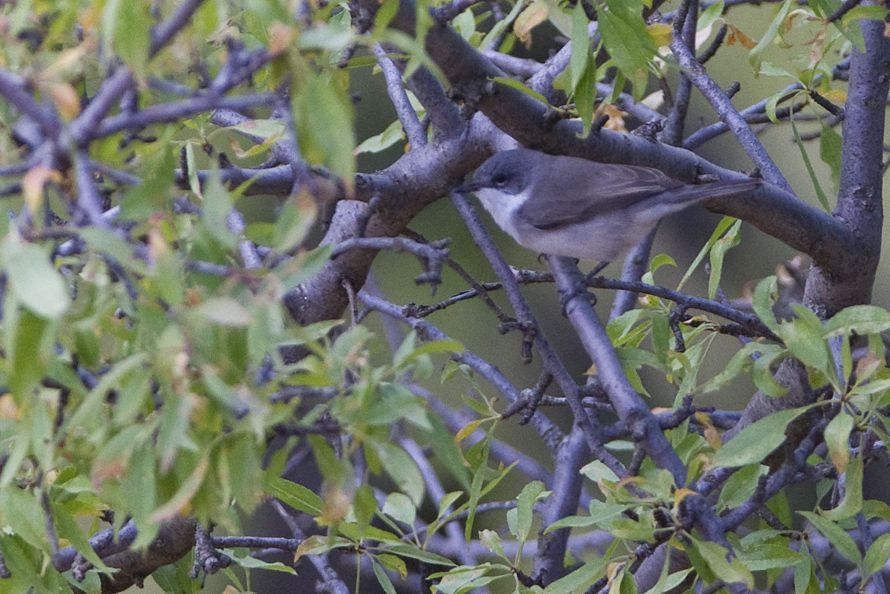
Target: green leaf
{"type": "Point", "coordinates": [755, 55]}
{"type": "Point", "coordinates": [762, 373]}
{"type": "Point", "coordinates": [877, 13]}
{"type": "Point", "coordinates": [763, 556]}
{"type": "Point", "coordinates": [580, 45]}
{"type": "Point", "coordinates": [524, 502]}
{"type": "Point", "coordinates": [757, 440]}
{"type": "Point", "coordinates": [724, 224]}
{"type": "Point", "coordinates": [464, 579]}
{"type": "Point", "coordinates": [741, 485]}
{"type": "Point", "coordinates": [24, 515]}
{"type": "Point", "coordinates": [770, 69]}
{"type": "Point", "coordinates": [465, 24]}
{"type": "Point", "coordinates": [500, 26]}
{"type": "Point", "coordinates": [876, 556]}
{"type": "Point", "coordinates": [380, 142]}
{"type": "Point", "coordinates": [92, 404]}
{"type": "Point", "coordinates": [519, 86]}
{"type": "Point", "coordinates": [400, 507]}
{"type": "Point", "coordinates": [30, 341]}
{"type": "Point", "coordinates": [625, 37]}
{"type": "Point", "coordinates": [215, 211]}
{"type": "Point", "coordinates": [324, 115]}
{"type": "Point", "coordinates": [294, 222]}
{"type": "Point", "coordinates": [139, 489]}
{"type": "Point", "coordinates": [224, 311]}
{"type": "Point", "coordinates": [597, 471]}
{"type": "Point", "coordinates": [250, 562]}
{"type": "Point", "coordinates": [837, 438]}
{"type": "Point", "coordinates": [129, 32]}
{"type": "Point", "coordinates": [668, 582]}
{"type": "Point", "coordinates": [67, 527]}
{"type": "Point", "coordinates": [492, 540]}
{"type": "Point", "coordinates": [295, 495]}
{"type": "Point", "coordinates": [332, 37]}
{"type": "Point", "coordinates": [379, 572]}
{"type": "Point", "coordinates": [730, 571]}
{"type": "Point", "coordinates": [265, 129]}
{"type": "Point", "coordinates": [830, 151]}
{"type": "Point", "coordinates": [385, 14]}
{"type": "Point", "coordinates": [709, 15]}
{"type": "Point", "coordinates": [741, 360]}
{"type": "Point", "coordinates": [402, 469]}
{"type": "Point", "coordinates": [585, 97]}
{"type": "Point", "coordinates": [413, 552]}
{"type": "Point", "coordinates": [599, 513]}
{"type": "Point", "coordinates": [802, 337]}
{"type": "Point", "coordinates": [836, 535]}
{"type": "Point", "coordinates": [718, 253]}
{"type": "Point", "coordinates": [851, 504]}
{"type": "Point", "coordinates": [579, 580]}
{"type": "Point", "coordinates": [861, 319]}
{"type": "Point", "coordinates": [34, 281]}
{"type": "Point", "coordinates": [151, 193]}
{"type": "Point", "coordinates": [804, 155]}
{"type": "Point", "coordinates": [762, 302]}
{"type": "Point", "coordinates": [187, 489]}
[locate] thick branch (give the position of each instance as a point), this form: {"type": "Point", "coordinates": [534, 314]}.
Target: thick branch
{"type": "Point", "coordinates": [774, 211]}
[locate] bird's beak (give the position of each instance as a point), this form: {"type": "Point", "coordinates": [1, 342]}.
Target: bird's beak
{"type": "Point", "coordinates": [470, 186]}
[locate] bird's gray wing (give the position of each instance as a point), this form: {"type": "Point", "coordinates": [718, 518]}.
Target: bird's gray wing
{"type": "Point", "coordinates": [586, 189]}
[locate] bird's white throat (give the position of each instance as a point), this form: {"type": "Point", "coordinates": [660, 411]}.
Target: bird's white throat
{"type": "Point", "coordinates": [502, 208]}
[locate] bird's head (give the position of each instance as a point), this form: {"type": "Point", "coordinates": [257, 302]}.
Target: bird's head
{"type": "Point", "coordinates": [508, 172]}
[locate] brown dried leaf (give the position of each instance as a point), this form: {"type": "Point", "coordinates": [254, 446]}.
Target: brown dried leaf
{"type": "Point", "coordinates": [736, 35]}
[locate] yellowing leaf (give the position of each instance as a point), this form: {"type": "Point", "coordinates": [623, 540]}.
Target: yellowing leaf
{"type": "Point", "coordinates": [336, 506]}
{"type": "Point", "coordinates": [281, 38]}
{"type": "Point", "coordinates": [32, 186]}
{"type": "Point", "coordinates": [313, 545]}
{"type": "Point", "coordinates": [68, 61]}
{"type": "Point", "coordinates": [616, 117]}
{"type": "Point", "coordinates": [467, 430]}
{"type": "Point", "coordinates": [712, 436]}
{"type": "Point", "coordinates": [836, 96]}
{"type": "Point", "coordinates": [8, 408]}
{"type": "Point", "coordinates": [65, 99]}
{"type": "Point", "coordinates": [528, 19]}
{"type": "Point", "coordinates": [682, 493]}
{"type": "Point", "coordinates": [660, 34]}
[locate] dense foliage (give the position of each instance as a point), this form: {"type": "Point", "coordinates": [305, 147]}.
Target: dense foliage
{"type": "Point", "coordinates": [187, 332]}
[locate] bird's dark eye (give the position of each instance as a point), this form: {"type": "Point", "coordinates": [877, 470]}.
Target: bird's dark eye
{"type": "Point", "coordinates": [499, 180]}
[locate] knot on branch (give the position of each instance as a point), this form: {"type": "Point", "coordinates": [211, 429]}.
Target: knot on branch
{"type": "Point", "coordinates": [207, 558]}
{"type": "Point", "coordinates": [695, 511]}
{"type": "Point", "coordinates": [649, 130]}
{"type": "Point", "coordinates": [79, 567]}
{"type": "Point", "coordinates": [529, 332]}
{"type": "Point", "coordinates": [530, 399]}
{"type": "Point", "coordinates": [472, 91]}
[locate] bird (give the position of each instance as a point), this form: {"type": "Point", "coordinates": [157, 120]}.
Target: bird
{"type": "Point", "coordinates": [568, 206]}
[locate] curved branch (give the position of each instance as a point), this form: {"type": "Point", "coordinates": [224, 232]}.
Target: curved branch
{"type": "Point", "coordinates": [535, 125]}
{"type": "Point", "coordinates": [718, 98]}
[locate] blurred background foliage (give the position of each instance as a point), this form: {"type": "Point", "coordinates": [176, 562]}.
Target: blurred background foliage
{"type": "Point", "coordinates": [65, 49]}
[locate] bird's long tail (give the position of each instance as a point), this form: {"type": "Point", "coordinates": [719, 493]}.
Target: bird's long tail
{"type": "Point", "coordinates": [717, 189]}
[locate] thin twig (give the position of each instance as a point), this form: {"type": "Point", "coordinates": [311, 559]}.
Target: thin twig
{"type": "Point", "coordinates": [399, 98]}
{"type": "Point", "coordinates": [722, 105]}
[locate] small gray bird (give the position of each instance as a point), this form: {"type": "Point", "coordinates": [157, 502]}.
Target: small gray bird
{"type": "Point", "coordinates": [566, 206]}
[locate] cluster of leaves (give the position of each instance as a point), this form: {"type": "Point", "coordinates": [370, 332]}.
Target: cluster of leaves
{"type": "Point", "coordinates": [141, 359]}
